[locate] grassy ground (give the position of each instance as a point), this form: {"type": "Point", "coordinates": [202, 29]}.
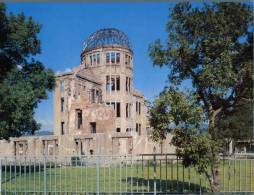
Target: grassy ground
{"type": "Point", "coordinates": [233, 176]}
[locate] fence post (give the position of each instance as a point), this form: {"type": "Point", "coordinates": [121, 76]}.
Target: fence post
{"type": "Point", "coordinates": [98, 175]}
{"type": "Point", "coordinates": [45, 174]}
{"type": "Point", "coordinates": [154, 170]}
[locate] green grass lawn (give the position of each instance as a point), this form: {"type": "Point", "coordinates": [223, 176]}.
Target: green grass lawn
{"type": "Point", "coordinates": [235, 176]}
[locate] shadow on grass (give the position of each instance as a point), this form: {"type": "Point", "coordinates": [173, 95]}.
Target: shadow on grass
{"type": "Point", "coordinates": [169, 186]}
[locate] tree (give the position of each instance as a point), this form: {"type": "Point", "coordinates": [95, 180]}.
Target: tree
{"type": "Point", "coordinates": [23, 80]}
{"type": "Point", "coordinates": [212, 47]}
{"type": "Point", "coordinates": [236, 124]}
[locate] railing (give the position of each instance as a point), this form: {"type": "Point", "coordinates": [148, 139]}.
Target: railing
{"type": "Point", "coordinates": [140, 174]}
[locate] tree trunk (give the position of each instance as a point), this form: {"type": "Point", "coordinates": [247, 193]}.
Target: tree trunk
{"type": "Point", "coordinates": [214, 153]}
{"type": "Point", "coordinates": [214, 171]}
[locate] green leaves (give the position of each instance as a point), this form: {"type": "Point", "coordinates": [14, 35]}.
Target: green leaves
{"type": "Point", "coordinates": [174, 109]}
{"type": "Point", "coordinates": [24, 82]}
{"type": "Point", "coordinates": [18, 42]}
{"type": "Point", "coordinates": [212, 46]}
{"type": "Point", "coordinates": [204, 45]}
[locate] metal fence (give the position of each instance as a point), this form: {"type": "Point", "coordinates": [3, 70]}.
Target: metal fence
{"type": "Point", "coordinates": [140, 174]}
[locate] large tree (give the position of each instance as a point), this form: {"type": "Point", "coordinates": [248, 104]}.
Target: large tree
{"type": "Point", "coordinates": [236, 124]}
{"type": "Point", "coordinates": [23, 80]}
{"type": "Point", "coordinates": [210, 46]}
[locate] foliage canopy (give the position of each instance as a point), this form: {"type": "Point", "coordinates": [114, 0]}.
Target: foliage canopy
{"type": "Point", "coordinates": [212, 47]}
{"type": "Point", "coordinates": [23, 80]}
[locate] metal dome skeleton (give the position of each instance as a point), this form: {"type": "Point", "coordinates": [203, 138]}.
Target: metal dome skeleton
{"type": "Point", "coordinates": [107, 37]}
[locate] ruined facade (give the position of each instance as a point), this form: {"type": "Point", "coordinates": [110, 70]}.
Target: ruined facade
{"type": "Point", "coordinates": [97, 109]}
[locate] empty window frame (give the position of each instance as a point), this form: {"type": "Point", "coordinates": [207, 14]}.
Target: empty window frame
{"type": "Point", "coordinates": [117, 58]}
{"type": "Point", "coordinates": [128, 84]}
{"type": "Point", "coordinates": [79, 118]}
{"type": "Point", "coordinates": [128, 110]}
{"type": "Point", "coordinates": [95, 96]}
{"type": "Point", "coordinates": [62, 128]}
{"type": "Point", "coordinates": [94, 59]}
{"type": "Point", "coordinates": [114, 85]}
{"type": "Point", "coordinates": [138, 128]}
{"type": "Point", "coordinates": [128, 129]}
{"type": "Point", "coordinates": [118, 130]}
{"type": "Point", "coordinates": [107, 58]}
{"type": "Point", "coordinates": [107, 83]}
{"type": "Point", "coordinates": [118, 83]}
{"type": "Point", "coordinates": [93, 127]}
{"type": "Point", "coordinates": [118, 109]}
{"type": "Point", "coordinates": [62, 104]}
{"type": "Point", "coordinates": [98, 58]}
{"type": "Point", "coordinates": [91, 60]}
{"type": "Point", "coordinates": [138, 107]}
{"type": "Point", "coordinates": [84, 61]}
{"type": "Point", "coordinates": [127, 59]}
{"type": "Point", "coordinates": [112, 58]}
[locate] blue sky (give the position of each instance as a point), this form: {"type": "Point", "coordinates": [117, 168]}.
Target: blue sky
{"type": "Point", "coordinates": [65, 27]}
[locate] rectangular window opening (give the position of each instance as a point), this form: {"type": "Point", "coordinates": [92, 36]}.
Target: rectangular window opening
{"type": "Point", "coordinates": [118, 109]}
{"type": "Point", "coordinates": [126, 84]}
{"type": "Point", "coordinates": [107, 83]}
{"type": "Point", "coordinates": [126, 59]}
{"type": "Point", "coordinates": [113, 57]}
{"type": "Point", "coordinates": [118, 83]}
{"type": "Point", "coordinates": [79, 118]}
{"type": "Point", "coordinates": [93, 95]}
{"type": "Point", "coordinates": [118, 58]}
{"type": "Point", "coordinates": [62, 104]}
{"type": "Point", "coordinates": [129, 84]}
{"type": "Point", "coordinates": [127, 110]}
{"type": "Point", "coordinates": [113, 84]}
{"type": "Point", "coordinates": [107, 58]}
{"type": "Point", "coordinates": [62, 128]}
{"type": "Point", "coordinates": [91, 60]}
{"type": "Point", "coordinates": [98, 58]}
{"type": "Point", "coordinates": [93, 127]}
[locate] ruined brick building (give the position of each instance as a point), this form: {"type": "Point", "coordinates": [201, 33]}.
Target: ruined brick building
{"type": "Point", "coordinates": [97, 109]}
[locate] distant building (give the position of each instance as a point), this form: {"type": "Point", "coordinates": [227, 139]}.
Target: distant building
{"type": "Point", "coordinates": [97, 109]}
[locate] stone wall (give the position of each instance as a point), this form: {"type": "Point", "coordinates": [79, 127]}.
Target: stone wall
{"type": "Point", "coordinates": [85, 144]}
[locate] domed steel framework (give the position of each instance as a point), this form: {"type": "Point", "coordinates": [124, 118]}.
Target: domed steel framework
{"type": "Point", "coordinates": [107, 37]}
